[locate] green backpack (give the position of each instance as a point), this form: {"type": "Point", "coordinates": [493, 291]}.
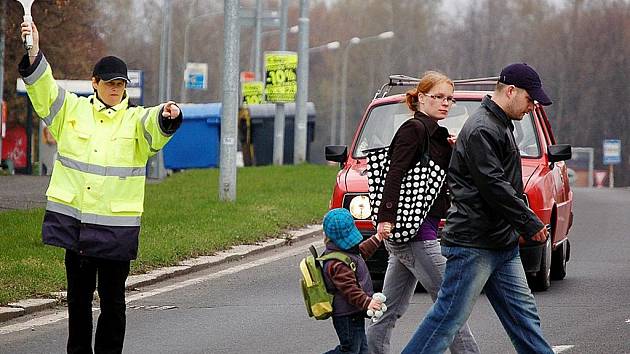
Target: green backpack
{"type": "Point", "coordinates": [316, 297]}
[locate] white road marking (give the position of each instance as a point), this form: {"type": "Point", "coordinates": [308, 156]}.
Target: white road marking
{"type": "Point", "coordinates": [56, 317]}
{"type": "Point", "coordinates": [561, 348]}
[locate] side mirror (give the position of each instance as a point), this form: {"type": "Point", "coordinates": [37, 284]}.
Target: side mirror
{"type": "Point", "coordinates": [337, 153]}
{"type": "Point", "coordinates": [559, 152]}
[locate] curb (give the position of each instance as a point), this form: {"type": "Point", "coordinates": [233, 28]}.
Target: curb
{"type": "Point", "coordinates": [23, 307]}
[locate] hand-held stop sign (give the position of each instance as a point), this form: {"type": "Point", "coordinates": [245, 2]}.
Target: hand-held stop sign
{"type": "Point", "coordinates": [26, 5]}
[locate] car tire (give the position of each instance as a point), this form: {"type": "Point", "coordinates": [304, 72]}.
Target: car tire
{"type": "Point", "coordinates": [559, 261]}
{"type": "Point", "coordinates": [542, 279]}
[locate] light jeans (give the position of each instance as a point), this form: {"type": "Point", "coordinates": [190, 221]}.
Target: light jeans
{"type": "Point", "coordinates": [500, 274]}
{"type": "Point", "coordinates": [409, 263]}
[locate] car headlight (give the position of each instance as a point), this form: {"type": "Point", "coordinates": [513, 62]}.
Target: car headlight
{"type": "Point", "coordinates": [360, 207]}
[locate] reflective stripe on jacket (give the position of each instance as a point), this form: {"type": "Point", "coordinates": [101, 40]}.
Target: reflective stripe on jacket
{"type": "Point", "coordinates": [99, 175]}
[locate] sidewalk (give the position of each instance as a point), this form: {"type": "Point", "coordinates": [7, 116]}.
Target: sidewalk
{"type": "Point", "coordinates": [29, 306]}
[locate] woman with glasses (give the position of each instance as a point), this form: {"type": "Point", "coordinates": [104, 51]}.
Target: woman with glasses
{"type": "Point", "coordinates": [420, 259]}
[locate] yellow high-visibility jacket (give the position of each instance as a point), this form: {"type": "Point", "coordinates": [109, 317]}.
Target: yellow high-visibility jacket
{"type": "Point", "coordinates": [99, 175]}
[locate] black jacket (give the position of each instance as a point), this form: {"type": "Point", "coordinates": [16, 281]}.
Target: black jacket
{"type": "Point", "coordinates": [405, 151]}
{"type": "Point", "coordinates": [485, 179]}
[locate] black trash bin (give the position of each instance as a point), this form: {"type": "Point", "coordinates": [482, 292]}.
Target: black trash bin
{"type": "Point", "coordinates": [261, 131]}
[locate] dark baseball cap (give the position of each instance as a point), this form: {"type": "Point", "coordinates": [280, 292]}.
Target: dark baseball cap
{"type": "Point", "coordinates": [524, 76]}
{"type": "Point", "coordinates": [110, 68]}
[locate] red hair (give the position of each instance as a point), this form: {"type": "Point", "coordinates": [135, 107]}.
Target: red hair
{"type": "Point", "coordinates": [428, 80]}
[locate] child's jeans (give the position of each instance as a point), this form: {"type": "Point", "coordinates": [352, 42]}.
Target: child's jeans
{"type": "Point", "coordinates": [351, 332]}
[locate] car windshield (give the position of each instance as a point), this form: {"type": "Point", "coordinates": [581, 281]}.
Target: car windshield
{"type": "Point", "coordinates": [383, 121]}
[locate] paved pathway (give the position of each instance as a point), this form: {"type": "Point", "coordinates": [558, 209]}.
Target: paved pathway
{"type": "Point", "coordinates": [22, 192]}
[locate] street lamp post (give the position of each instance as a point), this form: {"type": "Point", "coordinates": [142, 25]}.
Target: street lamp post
{"type": "Point", "coordinates": [328, 46]}
{"type": "Point", "coordinates": [344, 76]}
{"type": "Point", "coordinates": [184, 90]}
{"type": "Point", "coordinates": [229, 103]}
{"type": "Point", "coordinates": [257, 38]}
{"type": "Point", "coordinates": [259, 58]}
{"type": "Point", "coordinates": [279, 118]}
{"type": "Point", "coordinates": [300, 120]}
{"type": "Point", "coordinates": [324, 47]}
{"type": "Point", "coordinates": [156, 163]}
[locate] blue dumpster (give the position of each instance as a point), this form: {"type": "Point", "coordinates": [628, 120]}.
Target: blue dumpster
{"type": "Point", "coordinates": [196, 142]}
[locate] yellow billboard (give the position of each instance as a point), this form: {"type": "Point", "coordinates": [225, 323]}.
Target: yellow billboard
{"type": "Point", "coordinates": [252, 92]}
{"type": "Point", "coordinates": [280, 76]}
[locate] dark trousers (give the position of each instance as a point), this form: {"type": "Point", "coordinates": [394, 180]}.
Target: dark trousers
{"type": "Point", "coordinates": [82, 274]}
{"type": "Point", "coordinates": [351, 332]}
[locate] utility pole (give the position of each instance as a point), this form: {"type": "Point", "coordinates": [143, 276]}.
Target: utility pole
{"type": "Point", "coordinates": [334, 104]}
{"type": "Point", "coordinates": [164, 45]}
{"type": "Point", "coordinates": [278, 122]}
{"type": "Point", "coordinates": [344, 76]}
{"type": "Point", "coordinates": [257, 38]}
{"type": "Point", "coordinates": [229, 112]}
{"type": "Point", "coordinates": [156, 163]}
{"type": "Point", "coordinates": [344, 82]}
{"type": "Point", "coordinates": [169, 53]}
{"type": "Point", "coordinates": [300, 120]}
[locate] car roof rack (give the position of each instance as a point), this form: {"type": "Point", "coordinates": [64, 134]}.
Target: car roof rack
{"type": "Point", "coordinates": [404, 80]}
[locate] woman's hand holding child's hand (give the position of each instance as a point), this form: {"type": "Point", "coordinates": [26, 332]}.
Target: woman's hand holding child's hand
{"type": "Point", "coordinates": [384, 230]}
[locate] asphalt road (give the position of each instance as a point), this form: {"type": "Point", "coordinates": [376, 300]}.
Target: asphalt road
{"type": "Point", "coordinates": [255, 306]}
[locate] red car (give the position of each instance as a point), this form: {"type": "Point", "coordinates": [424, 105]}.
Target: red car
{"type": "Point", "coordinates": [544, 172]}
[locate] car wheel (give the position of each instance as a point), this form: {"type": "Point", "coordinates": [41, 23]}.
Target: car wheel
{"type": "Point", "coordinates": [559, 262]}
{"type": "Point", "coordinates": [542, 278]}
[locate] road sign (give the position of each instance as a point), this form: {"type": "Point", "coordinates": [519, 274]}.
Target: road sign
{"type": "Point", "coordinates": [248, 76]}
{"type": "Point", "coordinates": [135, 89]}
{"type": "Point", "coordinates": [612, 151]}
{"type": "Point", "coordinates": [280, 76]}
{"type": "Point", "coordinates": [135, 78]}
{"type": "Point", "coordinates": [270, 18]}
{"type": "Point", "coordinates": [195, 76]}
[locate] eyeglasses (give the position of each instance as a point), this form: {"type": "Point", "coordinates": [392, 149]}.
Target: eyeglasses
{"type": "Point", "coordinates": [448, 99]}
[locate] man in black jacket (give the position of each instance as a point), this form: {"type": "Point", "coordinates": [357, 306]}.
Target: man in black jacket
{"type": "Point", "coordinates": [487, 216]}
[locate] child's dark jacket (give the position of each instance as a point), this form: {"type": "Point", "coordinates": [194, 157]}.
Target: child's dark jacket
{"type": "Point", "coordinates": [352, 290]}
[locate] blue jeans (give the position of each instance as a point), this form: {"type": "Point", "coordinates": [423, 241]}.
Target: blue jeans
{"type": "Point", "coordinates": [351, 332]}
{"type": "Point", "coordinates": [408, 264]}
{"type": "Point", "coordinates": [500, 274]}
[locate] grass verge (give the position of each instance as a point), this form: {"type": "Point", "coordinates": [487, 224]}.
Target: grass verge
{"type": "Point", "coordinates": [182, 219]}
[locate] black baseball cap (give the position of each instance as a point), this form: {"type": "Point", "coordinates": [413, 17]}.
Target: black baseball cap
{"type": "Point", "coordinates": [110, 68]}
{"type": "Point", "coordinates": [524, 76]}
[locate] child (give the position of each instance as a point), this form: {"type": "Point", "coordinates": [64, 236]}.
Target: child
{"type": "Point", "coordinates": [352, 288]}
